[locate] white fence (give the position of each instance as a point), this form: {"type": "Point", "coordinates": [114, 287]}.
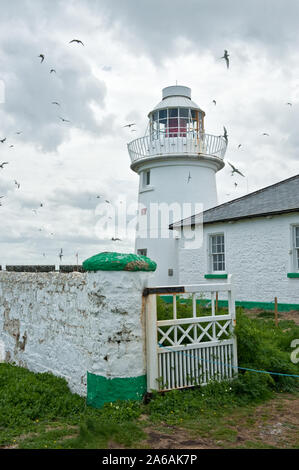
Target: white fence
{"type": "Point", "coordinates": [184, 352]}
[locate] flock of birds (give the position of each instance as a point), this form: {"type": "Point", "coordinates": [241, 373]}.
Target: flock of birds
{"type": "Point", "coordinates": [63, 119]}
{"type": "Point", "coordinates": [131, 127]}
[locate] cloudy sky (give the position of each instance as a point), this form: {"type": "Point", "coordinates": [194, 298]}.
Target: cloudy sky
{"type": "Point", "coordinates": [132, 49]}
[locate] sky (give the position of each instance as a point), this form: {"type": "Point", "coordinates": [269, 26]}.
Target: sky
{"type": "Point", "coordinates": [132, 49]}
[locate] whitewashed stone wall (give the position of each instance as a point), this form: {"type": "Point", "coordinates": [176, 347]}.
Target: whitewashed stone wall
{"type": "Point", "coordinates": [257, 253]}
{"type": "Point", "coordinates": [69, 324]}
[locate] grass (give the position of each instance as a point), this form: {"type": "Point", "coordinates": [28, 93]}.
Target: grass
{"type": "Point", "coordinates": [39, 411]}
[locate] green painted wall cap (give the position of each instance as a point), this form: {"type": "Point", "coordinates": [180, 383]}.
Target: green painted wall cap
{"type": "Point", "coordinates": [111, 261]}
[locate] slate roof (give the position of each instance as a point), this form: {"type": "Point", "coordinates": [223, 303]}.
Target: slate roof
{"type": "Point", "coordinates": [278, 198]}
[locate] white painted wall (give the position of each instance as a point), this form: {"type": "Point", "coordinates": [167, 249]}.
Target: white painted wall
{"type": "Point", "coordinates": [69, 324]}
{"type": "Point", "coordinates": [169, 185]}
{"type": "Point", "coordinates": [257, 254]}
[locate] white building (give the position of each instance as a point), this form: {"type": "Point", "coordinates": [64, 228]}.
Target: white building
{"type": "Point", "coordinates": [177, 163]}
{"type": "Point", "coordinates": [256, 239]}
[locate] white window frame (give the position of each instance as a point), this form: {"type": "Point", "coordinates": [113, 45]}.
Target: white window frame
{"type": "Point", "coordinates": [210, 254]}
{"type": "Point", "coordinates": [295, 244]}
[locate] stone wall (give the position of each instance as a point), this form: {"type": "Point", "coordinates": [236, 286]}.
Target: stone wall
{"type": "Point", "coordinates": [80, 326]}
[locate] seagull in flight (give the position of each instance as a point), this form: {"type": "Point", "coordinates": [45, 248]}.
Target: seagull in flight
{"type": "Point", "coordinates": [52, 70]}
{"type": "Point", "coordinates": [17, 184]}
{"type": "Point", "coordinates": [236, 184]}
{"type": "Point", "coordinates": [235, 170]}
{"type": "Point", "coordinates": [265, 133]}
{"type": "Point", "coordinates": [214, 101]}
{"type": "Point", "coordinates": [240, 145]}
{"type": "Point", "coordinates": [3, 163]}
{"type": "Point", "coordinates": [3, 140]}
{"type": "Point", "coordinates": [290, 104]}
{"type": "Point", "coordinates": [42, 57]}
{"type": "Point", "coordinates": [189, 177]}
{"type": "Point", "coordinates": [115, 239]}
{"type": "Point", "coordinates": [226, 56]}
{"type": "Point", "coordinates": [56, 102]}
{"type": "Point", "coordinates": [129, 125]}
{"type": "Point", "coordinates": [19, 132]}
{"type": "Point", "coordinates": [77, 41]}
{"type": "Point", "coordinates": [60, 254]}
{"type": "Point", "coordinates": [63, 120]}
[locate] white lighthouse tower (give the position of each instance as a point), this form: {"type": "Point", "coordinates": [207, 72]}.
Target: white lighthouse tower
{"type": "Point", "coordinates": [177, 164]}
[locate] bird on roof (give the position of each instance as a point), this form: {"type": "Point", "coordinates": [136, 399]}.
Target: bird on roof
{"type": "Point", "coordinates": [235, 170]}
{"type": "Point", "coordinates": [129, 125]}
{"type": "Point", "coordinates": [226, 56]}
{"type": "Point", "coordinates": [225, 135]}
{"type": "Point", "coordinates": [3, 140]}
{"type": "Point", "coordinates": [3, 163]}
{"type": "Point", "coordinates": [77, 41]}
{"type": "Point", "coordinates": [42, 57]}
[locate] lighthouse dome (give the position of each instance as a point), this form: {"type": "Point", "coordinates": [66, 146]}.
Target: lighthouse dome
{"type": "Point", "coordinates": [177, 96]}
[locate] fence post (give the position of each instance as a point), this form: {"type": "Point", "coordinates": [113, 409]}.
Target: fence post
{"type": "Point", "coordinates": [276, 311]}
{"type": "Point", "coordinates": [232, 312]}
{"type": "Point", "coordinates": [151, 342]}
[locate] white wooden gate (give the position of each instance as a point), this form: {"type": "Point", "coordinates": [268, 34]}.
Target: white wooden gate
{"type": "Point", "coordinates": [184, 352]}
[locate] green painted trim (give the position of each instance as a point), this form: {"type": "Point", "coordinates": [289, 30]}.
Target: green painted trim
{"type": "Point", "coordinates": [292, 275]}
{"type": "Point", "coordinates": [101, 390]}
{"type": "Point", "coordinates": [216, 276]}
{"type": "Point", "coordinates": [239, 303]}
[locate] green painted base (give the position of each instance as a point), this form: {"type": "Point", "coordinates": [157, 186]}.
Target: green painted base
{"type": "Point", "coordinates": [101, 390]}
{"type": "Point", "coordinates": [243, 303]}
{"type": "Point", "coordinates": [215, 276]}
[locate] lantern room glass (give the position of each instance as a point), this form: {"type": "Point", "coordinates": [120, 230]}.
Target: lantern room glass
{"type": "Point", "coordinates": [176, 122]}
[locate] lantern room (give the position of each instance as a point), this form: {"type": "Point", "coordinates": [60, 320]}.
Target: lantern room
{"type": "Point", "coordinates": [176, 115]}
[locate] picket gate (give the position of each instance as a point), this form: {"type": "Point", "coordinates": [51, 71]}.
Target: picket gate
{"type": "Point", "coordinates": [185, 352]}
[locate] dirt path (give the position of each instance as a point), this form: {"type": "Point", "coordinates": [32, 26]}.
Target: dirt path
{"type": "Point", "coordinates": [273, 424]}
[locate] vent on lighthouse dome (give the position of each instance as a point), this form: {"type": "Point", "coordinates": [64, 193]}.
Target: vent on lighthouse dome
{"type": "Point", "coordinates": [176, 90]}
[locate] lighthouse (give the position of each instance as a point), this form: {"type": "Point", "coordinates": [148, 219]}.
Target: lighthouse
{"type": "Point", "coordinates": [176, 161]}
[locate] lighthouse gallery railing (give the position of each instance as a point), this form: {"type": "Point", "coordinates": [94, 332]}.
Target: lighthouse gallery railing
{"type": "Point", "coordinates": [160, 144]}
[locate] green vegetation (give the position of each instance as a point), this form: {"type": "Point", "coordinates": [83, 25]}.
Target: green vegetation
{"type": "Point", "coordinates": [39, 411]}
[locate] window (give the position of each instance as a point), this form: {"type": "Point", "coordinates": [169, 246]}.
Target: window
{"type": "Point", "coordinates": [217, 252]}
{"type": "Point", "coordinates": [142, 252]}
{"type": "Point", "coordinates": [296, 247]}
{"type": "Point", "coordinates": [146, 178]}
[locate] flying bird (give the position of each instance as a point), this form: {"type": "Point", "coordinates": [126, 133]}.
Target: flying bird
{"type": "Point", "coordinates": [108, 202]}
{"type": "Point", "coordinates": [17, 184]}
{"type": "Point", "coordinates": [236, 184]}
{"type": "Point", "coordinates": [56, 102]}
{"type": "Point", "coordinates": [129, 125]}
{"type": "Point", "coordinates": [225, 135]}
{"type": "Point", "coordinates": [3, 140]}
{"type": "Point", "coordinates": [290, 104]}
{"type": "Point", "coordinates": [19, 132]}
{"type": "Point", "coordinates": [214, 101]}
{"type": "Point", "coordinates": [11, 146]}
{"type": "Point", "coordinates": [226, 56]}
{"type": "Point", "coordinates": [189, 177]}
{"type": "Point", "coordinates": [42, 57]}
{"type": "Point", "coordinates": [60, 254]}
{"type": "Point", "coordinates": [115, 239]}
{"type": "Point", "coordinates": [77, 41]}
{"type": "Point", "coordinates": [63, 120]}
{"type": "Point", "coordinates": [3, 163]}
{"type": "Point", "coordinates": [52, 70]}
{"type": "Point", "coordinates": [240, 145]}
{"type": "Point", "coordinates": [235, 170]}
{"type": "Point", "coordinates": [265, 133]}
